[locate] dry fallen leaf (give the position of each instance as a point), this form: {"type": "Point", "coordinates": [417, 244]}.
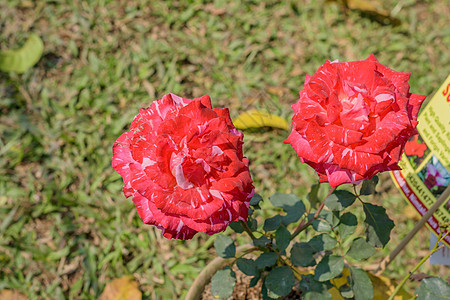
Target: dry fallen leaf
{"type": "Point", "coordinates": [372, 8]}
{"type": "Point", "coordinates": [124, 288]}
{"type": "Point", "coordinates": [12, 295]}
{"type": "Point", "coordinates": [419, 276]}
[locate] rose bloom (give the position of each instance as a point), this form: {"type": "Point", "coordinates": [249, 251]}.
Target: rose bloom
{"type": "Point", "coordinates": [182, 162]}
{"type": "Point", "coordinates": [353, 120]}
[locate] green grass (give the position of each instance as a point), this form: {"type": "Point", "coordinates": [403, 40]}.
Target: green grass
{"type": "Point", "coordinates": [65, 227]}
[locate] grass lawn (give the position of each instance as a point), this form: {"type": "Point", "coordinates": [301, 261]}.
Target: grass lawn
{"type": "Point", "coordinates": [65, 227]}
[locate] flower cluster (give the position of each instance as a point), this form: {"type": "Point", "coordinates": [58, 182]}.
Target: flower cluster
{"type": "Point", "coordinates": [182, 160]}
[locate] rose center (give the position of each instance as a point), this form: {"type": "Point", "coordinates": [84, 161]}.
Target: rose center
{"type": "Point", "coordinates": [355, 112]}
{"type": "Point", "coordinates": [188, 170]}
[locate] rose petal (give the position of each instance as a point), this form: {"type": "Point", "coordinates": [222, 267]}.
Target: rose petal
{"type": "Point", "coordinates": [358, 162]}
{"type": "Point", "coordinates": [387, 130]}
{"type": "Point", "coordinates": [341, 135]}
{"type": "Point", "coordinates": [318, 141]}
{"type": "Point", "coordinates": [300, 145]}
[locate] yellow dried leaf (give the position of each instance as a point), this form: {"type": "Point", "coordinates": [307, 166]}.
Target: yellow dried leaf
{"type": "Point", "coordinates": [383, 288]}
{"type": "Point", "coordinates": [257, 119]}
{"type": "Point", "coordinates": [370, 7]}
{"type": "Point", "coordinates": [12, 295]}
{"type": "Point", "coordinates": [124, 288]}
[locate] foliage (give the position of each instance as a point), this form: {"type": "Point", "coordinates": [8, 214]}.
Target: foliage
{"type": "Point", "coordinates": [329, 249]}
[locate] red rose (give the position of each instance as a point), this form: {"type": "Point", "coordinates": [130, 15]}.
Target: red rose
{"type": "Point", "coordinates": [353, 120]}
{"type": "Point", "coordinates": [182, 162]}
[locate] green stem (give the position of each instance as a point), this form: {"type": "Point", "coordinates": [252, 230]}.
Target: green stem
{"type": "Point", "coordinates": [247, 229]}
{"type": "Point", "coordinates": [297, 274]}
{"type": "Point", "coordinates": [435, 249]}
{"type": "Point", "coordinates": [302, 226]}
{"type": "Point", "coordinates": [357, 195]}
{"type": "Point", "coordinates": [293, 268]}
{"type": "Point", "coordinates": [244, 253]}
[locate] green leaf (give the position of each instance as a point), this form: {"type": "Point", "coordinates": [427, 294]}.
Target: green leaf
{"type": "Point", "coordinates": [291, 204]}
{"type": "Point", "coordinates": [280, 281]}
{"type": "Point", "coordinates": [302, 255]}
{"type": "Point", "coordinates": [224, 246]}
{"type": "Point", "coordinates": [23, 58]}
{"type": "Point", "coordinates": [266, 294]}
{"type": "Point", "coordinates": [329, 267]}
{"type": "Point", "coordinates": [313, 289]}
{"type": "Point", "coordinates": [272, 223]}
{"type": "Point", "coordinates": [261, 241]}
{"type": "Point", "coordinates": [313, 194]}
{"type": "Point", "coordinates": [347, 225]}
{"type": "Point", "coordinates": [321, 225]}
{"type": "Point", "coordinates": [247, 266]}
{"type": "Point", "coordinates": [237, 227]}
{"type": "Point", "coordinates": [361, 284]}
{"type": "Point", "coordinates": [322, 242]}
{"type": "Point", "coordinates": [339, 200]}
{"type": "Point", "coordinates": [325, 221]}
{"type": "Point", "coordinates": [282, 238]}
{"type": "Point", "coordinates": [254, 280]}
{"type": "Point", "coordinates": [378, 225]}
{"type": "Point", "coordinates": [433, 288]}
{"type": "Point", "coordinates": [360, 249]}
{"type": "Point", "coordinates": [347, 292]}
{"type": "Point", "coordinates": [255, 199]}
{"type": "Point", "coordinates": [222, 283]}
{"type": "Point", "coordinates": [266, 259]}
{"type": "Point", "coordinates": [252, 224]}
{"type": "Point", "coordinates": [291, 217]}
{"type": "Point", "coordinates": [368, 186]}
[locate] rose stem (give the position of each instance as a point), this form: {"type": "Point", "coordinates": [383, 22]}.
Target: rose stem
{"type": "Point", "coordinates": [388, 259]}
{"type": "Point", "coordinates": [297, 274]}
{"type": "Point", "coordinates": [302, 226]}
{"type": "Point", "coordinates": [247, 229]}
{"type": "Point", "coordinates": [435, 249]}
